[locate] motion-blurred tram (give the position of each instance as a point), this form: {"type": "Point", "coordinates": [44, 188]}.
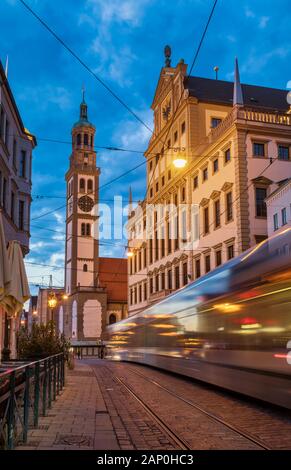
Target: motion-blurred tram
{"type": "Point", "coordinates": [230, 328]}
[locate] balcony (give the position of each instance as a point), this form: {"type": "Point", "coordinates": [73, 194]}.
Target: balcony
{"type": "Point", "coordinates": [248, 115]}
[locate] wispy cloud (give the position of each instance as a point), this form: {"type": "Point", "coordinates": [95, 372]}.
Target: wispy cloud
{"type": "Point", "coordinates": [41, 97]}
{"type": "Point", "coordinates": [264, 20]}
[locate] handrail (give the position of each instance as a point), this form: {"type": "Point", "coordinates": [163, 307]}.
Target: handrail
{"type": "Point", "coordinates": [26, 392]}
{"type": "Point", "coordinates": [28, 363]}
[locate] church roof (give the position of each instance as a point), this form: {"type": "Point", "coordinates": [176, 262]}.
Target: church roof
{"type": "Point", "coordinates": [221, 92]}
{"type": "Point", "coordinates": [113, 276]}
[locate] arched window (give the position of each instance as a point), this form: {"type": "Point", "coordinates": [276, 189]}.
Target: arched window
{"type": "Point", "coordinates": [85, 268]}
{"type": "Point", "coordinates": [86, 139]}
{"type": "Point", "coordinates": [89, 186]}
{"type": "Point", "coordinates": [83, 230]}
{"type": "Point", "coordinates": [82, 185]}
{"type": "Point", "coordinates": [78, 139]}
{"type": "Point", "coordinates": [91, 140]}
{"type": "Point", "coordinates": [88, 230]}
{"type": "Point", "coordinates": [112, 319]}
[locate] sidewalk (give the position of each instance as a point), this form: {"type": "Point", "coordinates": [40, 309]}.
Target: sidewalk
{"type": "Point", "coordinates": [78, 419]}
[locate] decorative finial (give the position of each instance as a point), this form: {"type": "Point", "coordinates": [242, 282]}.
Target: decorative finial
{"type": "Point", "coordinates": [168, 53]}
{"type": "Point", "coordinates": [216, 68]}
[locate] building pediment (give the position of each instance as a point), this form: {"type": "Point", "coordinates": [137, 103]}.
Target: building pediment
{"type": "Point", "coordinates": [204, 202]}
{"type": "Point", "coordinates": [163, 87]}
{"type": "Point", "coordinates": [227, 186]}
{"type": "Point", "coordinates": [215, 194]}
{"type": "Point", "coordinates": [262, 180]}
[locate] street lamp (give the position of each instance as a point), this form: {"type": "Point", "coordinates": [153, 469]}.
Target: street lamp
{"type": "Point", "coordinates": [180, 162]}
{"type": "Point", "coordinates": [52, 303]}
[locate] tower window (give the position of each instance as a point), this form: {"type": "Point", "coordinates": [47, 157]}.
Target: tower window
{"type": "Point", "coordinates": [86, 139]}
{"type": "Point", "coordinates": [78, 139]}
{"type": "Point", "coordinates": [90, 186]}
{"type": "Point", "coordinates": [85, 268]}
{"type": "Point", "coordinates": [91, 139]}
{"type": "Point", "coordinates": [82, 185]}
{"type": "Point", "coordinates": [88, 230]}
{"type": "Point", "coordinates": [83, 230]}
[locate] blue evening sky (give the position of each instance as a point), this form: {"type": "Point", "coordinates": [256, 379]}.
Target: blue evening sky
{"type": "Point", "coordinates": [122, 41]}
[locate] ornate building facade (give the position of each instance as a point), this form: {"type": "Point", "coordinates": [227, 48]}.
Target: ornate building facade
{"type": "Point", "coordinates": [234, 142]}
{"type": "Point", "coordinates": [95, 287]}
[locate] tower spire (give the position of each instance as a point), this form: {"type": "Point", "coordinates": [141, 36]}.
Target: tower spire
{"type": "Point", "coordinates": [83, 107]}
{"type": "Point", "coordinates": [237, 89]}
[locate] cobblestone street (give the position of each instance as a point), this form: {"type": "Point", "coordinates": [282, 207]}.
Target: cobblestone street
{"type": "Point", "coordinates": [110, 406]}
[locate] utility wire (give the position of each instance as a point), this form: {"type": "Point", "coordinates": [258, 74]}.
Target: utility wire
{"type": "Point", "coordinates": [74, 54]}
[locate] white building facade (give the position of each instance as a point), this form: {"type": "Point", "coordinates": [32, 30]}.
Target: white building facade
{"type": "Point", "coordinates": [236, 142]}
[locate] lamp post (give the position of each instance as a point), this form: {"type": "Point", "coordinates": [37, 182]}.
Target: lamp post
{"type": "Point", "coordinates": [52, 303]}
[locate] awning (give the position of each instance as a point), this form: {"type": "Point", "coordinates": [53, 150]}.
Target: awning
{"type": "Point", "coordinates": [18, 290]}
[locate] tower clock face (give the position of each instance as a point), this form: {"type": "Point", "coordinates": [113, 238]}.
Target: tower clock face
{"type": "Point", "coordinates": [86, 203]}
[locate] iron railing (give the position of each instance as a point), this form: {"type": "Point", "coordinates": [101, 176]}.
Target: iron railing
{"type": "Point", "coordinates": [27, 392]}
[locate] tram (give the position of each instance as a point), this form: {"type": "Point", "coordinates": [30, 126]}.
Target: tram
{"type": "Point", "coordinates": [230, 328]}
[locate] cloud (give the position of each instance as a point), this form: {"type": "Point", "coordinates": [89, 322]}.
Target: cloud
{"type": "Point", "coordinates": [249, 13]}
{"type": "Point", "coordinates": [44, 95]}
{"type": "Point", "coordinates": [258, 61]}
{"type": "Point", "coordinates": [105, 18]}
{"type": "Point", "coordinates": [264, 21]}
{"type": "Point", "coordinates": [128, 11]}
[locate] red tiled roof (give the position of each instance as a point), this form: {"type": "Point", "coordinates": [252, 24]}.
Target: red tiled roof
{"type": "Point", "coordinates": [113, 276]}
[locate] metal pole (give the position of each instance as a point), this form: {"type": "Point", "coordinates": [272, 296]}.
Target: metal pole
{"type": "Point", "coordinates": [49, 383]}
{"type": "Point", "coordinates": [26, 404]}
{"type": "Point", "coordinates": [36, 395]}
{"type": "Point", "coordinates": [44, 390]}
{"type": "Point", "coordinates": [11, 411]}
{"type": "Point", "coordinates": [55, 377]}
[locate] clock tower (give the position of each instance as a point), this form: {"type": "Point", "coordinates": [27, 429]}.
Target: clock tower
{"type": "Point", "coordinates": [86, 300]}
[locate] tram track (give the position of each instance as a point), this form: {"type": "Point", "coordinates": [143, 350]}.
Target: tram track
{"type": "Point", "coordinates": [207, 413]}
{"type": "Point", "coordinates": [179, 441]}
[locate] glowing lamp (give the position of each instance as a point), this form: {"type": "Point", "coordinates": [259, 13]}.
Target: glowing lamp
{"type": "Point", "coordinates": [180, 162]}
{"type": "Point", "coordinates": [52, 300]}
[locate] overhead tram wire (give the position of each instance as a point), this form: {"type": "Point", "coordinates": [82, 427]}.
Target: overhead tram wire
{"type": "Point", "coordinates": [70, 50]}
